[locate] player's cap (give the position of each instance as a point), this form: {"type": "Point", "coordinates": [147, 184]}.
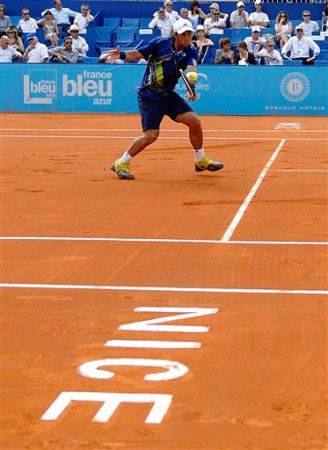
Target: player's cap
{"type": "Point", "coordinates": [240, 4]}
{"type": "Point", "coordinates": [258, 2]}
{"type": "Point", "coordinates": [182, 25]}
{"type": "Point", "coordinates": [200, 27]}
{"type": "Point", "coordinates": [256, 29]}
{"type": "Point", "coordinates": [30, 36]}
{"type": "Point", "coordinates": [214, 6]}
{"type": "Point", "coordinates": [299, 27]}
{"type": "Point", "coordinates": [74, 28]}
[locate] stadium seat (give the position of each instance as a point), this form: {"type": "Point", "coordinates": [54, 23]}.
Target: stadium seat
{"type": "Point", "coordinates": [130, 22]}
{"type": "Point", "coordinates": [125, 36]}
{"type": "Point", "coordinates": [147, 34]}
{"type": "Point", "coordinates": [209, 56]}
{"type": "Point", "coordinates": [144, 22]}
{"type": "Point", "coordinates": [103, 37]}
{"type": "Point", "coordinates": [112, 22]}
{"type": "Point", "coordinates": [15, 20]}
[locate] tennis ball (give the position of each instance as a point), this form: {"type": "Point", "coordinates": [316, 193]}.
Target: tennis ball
{"type": "Point", "coordinates": [192, 76]}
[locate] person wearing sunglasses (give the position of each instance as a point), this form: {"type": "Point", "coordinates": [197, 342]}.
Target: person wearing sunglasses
{"type": "Point", "coordinates": [239, 18]}
{"type": "Point", "coordinates": [62, 16]}
{"type": "Point", "coordinates": [269, 55]}
{"type": "Point", "coordinates": [27, 24]}
{"type": "Point", "coordinates": [283, 28]}
{"type": "Point", "coordinates": [309, 26]}
{"type": "Point", "coordinates": [5, 21]}
{"type": "Point", "coordinates": [83, 18]}
{"type": "Point", "coordinates": [216, 21]}
{"type": "Point", "coordinates": [14, 40]}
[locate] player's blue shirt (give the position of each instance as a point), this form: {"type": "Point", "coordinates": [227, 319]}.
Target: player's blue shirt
{"type": "Point", "coordinates": [162, 72]}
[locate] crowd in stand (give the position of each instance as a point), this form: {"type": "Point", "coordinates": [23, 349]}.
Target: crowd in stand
{"type": "Point", "coordinates": [63, 43]}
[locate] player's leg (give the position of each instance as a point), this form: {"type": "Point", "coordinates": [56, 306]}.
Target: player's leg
{"type": "Point", "coordinates": [181, 112]}
{"type": "Point", "coordinates": [152, 113]}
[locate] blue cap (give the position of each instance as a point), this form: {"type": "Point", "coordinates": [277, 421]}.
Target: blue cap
{"type": "Point", "coordinates": [30, 36]}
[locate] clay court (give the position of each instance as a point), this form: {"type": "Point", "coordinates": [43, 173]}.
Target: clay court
{"type": "Point", "coordinates": [179, 311]}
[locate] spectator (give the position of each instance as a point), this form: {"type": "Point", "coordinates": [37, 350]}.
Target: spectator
{"type": "Point", "coordinates": [309, 26]}
{"type": "Point", "coordinates": [269, 55]}
{"type": "Point", "coordinates": [169, 11]}
{"type": "Point", "coordinates": [35, 51]}
{"type": "Point", "coordinates": [255, 42]}
{"type": "Point", "coordinates": [259, 18]}
{"type": "Point", "coordinates": [283, 28]}
{"type": "Point", "coordinates": [5, 21]}
{"type": "Point", "coordinates": [216, 21]}
{"type": "Point", "coordinates": [50, 29]}
{"type": "Point", "coordinates": [14, 40]}
{"type": "Point", "coordinates": [224, 55]}
{"type": "Point", "coordinates": [162, 22]}
{"type": "Point", "coordinates": [202, 42]}
{"type": "Point", "coordinates": [27, 24]}
{"type": "Point", "coordinates": [83, 18]}
{"type": "Point", "coordinates": [300, 47]}
{"type": "Point", "coordinates": [62, 16]}
{"type": "Point", "coordinates": [79, 43]}
{"type": "Point", "coordinates": [244, 57]}
{"type": "Point", "coordinates": [239, 18]}
{"type": "Point", "coordinates": [64, 53]}
{"type": "Point", "coordinates": [196, 15]}
{"type": "Point", "coordinates": [184, 13]}
{"type": "Point", "coordinates": [7, 53]}
{"type": "Point", "coordinates": [325, 17]}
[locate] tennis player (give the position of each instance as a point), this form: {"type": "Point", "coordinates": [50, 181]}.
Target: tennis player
{"type": "Point", "coordinates": [156, 96]}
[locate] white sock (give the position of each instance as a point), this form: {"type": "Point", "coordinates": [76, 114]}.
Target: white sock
{"type": "Point", "coordinates": [125, 158]}
{"type": "Point", "coordinates": [199, 154]}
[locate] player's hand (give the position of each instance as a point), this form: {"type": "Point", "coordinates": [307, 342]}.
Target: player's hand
{"type": "Point", "coordinates": [113, 55]}
{"type": "Point", "coordinates": [191, 97]}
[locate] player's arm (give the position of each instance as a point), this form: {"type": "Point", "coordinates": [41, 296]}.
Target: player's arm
{"type": "Point", "coordinates": [128, 56]}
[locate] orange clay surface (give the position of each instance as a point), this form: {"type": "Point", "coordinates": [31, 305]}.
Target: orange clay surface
{"type": "Point", "coordinates": [258, 378]}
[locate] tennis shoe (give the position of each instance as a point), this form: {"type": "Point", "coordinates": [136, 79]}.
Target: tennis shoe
{"type": "Point", "coordinates": [208, 164]}
{"type": "Point", "coordinates": [122, 170]}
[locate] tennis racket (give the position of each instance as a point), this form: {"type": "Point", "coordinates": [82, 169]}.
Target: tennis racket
{"type": "Point", "coordinates": [190, 87]}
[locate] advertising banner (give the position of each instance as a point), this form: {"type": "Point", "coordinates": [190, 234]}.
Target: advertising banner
{"type": "Point", "coordinates": [230, 90]}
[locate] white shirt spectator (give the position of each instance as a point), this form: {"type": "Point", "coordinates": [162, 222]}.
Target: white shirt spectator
{"type": "Point", "coordinates": [27, 24]}
{"type": "Point", "coordinates": [214, 26]}
{"type": "Point", "coordinates": [162, 22]}
{"type": "Point", "coordinates": [35, 52]}
{"type": "Point", "coordinates": [79, 44]}
{"type": "Point", "coordinates": [83, 18]}
{"type": "Point", "coordinates": [300, 48]}
{"type": "Point", "coordinates": [257, 17]}
{"type": "Point", "coordinates": [310, 27]}
{"type": "Point", "coordinates": [254, 45]}
{"type": "Point", "coordinates": [271, 56]}
{"type": "Point", "coordinates": [61, 16]}
{"type": "Point", "coordinates": [7, 54]}
{"type": "Point", "coordinates": [239, 18]}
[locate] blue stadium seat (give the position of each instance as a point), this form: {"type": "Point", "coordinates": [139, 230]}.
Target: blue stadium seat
{"type": "Point", "coordinates": [103, 37]}
{"type": "Point", "coordinates": [130, 22]}
{"type": "Point", "coordinates": [144, 22]}
{"type": "Point", "coordinates": [15, 20]}
{"type": "Point", "coordinates": [147, 34]}
{"type": "Point", "coordinates": [125, 36]}
{"type": "Point", "coordinates": [209, 55]}
{"type": "Point", "coordinates": [112, 22]}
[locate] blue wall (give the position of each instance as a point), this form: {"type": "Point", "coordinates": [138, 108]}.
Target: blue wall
{"type": "Point", "coordinates": [234, 90]}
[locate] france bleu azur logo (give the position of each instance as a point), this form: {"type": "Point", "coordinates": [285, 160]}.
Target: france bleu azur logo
{"type": "Point", "coordinates": [40, 87]}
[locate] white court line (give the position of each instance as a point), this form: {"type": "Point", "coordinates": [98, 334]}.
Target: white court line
{"type": "Point", "coordinates": [165, 131]}
{"type": "Point", "coordinates": [301, 170]}
{"type": "Point", "coordinates": [186, 138]}
{"type": "Point", "coordinates": [155, 240]}
{"type": "Point", "coordinates": [162, 289]}
{"type": "Point", "coordinates": [241, 211]}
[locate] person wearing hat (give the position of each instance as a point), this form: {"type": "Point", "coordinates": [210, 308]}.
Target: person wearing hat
{"type": "Point", "coordinates": [79, 43]}
{"type": "Point", "coordinates": [300, 47]}
{"type": "Point", "coordinates": [239, 18]}
{"type": "Point", "coordinates": [61, 15]}
{"type": "Point", "coordinates": [202, 42]}
{"type": "Point", "coordinates": [50, 28]}
{"type": "Point", "coordinates": [161, 22]}
{"type": "Point", "coordinates": [255, 42]}
{"type": "Point", "coordinates": [216, 21]}
{"type": "Point", "coordinates": [258, 17]}
{"type": "Point", "coordinates": [35, 51]}
{"type": "Point", "coordinates": [157, 98]}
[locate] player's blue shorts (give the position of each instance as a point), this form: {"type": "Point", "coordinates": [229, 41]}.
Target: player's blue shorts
{"type": "Point", "coordinates": [154, 107]}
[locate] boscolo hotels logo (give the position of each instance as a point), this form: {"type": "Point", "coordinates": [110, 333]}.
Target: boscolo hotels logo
{"type": "Point", "coordinates": [40, 87]}
{"type": "Point", "coordinates": [295, 87]}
